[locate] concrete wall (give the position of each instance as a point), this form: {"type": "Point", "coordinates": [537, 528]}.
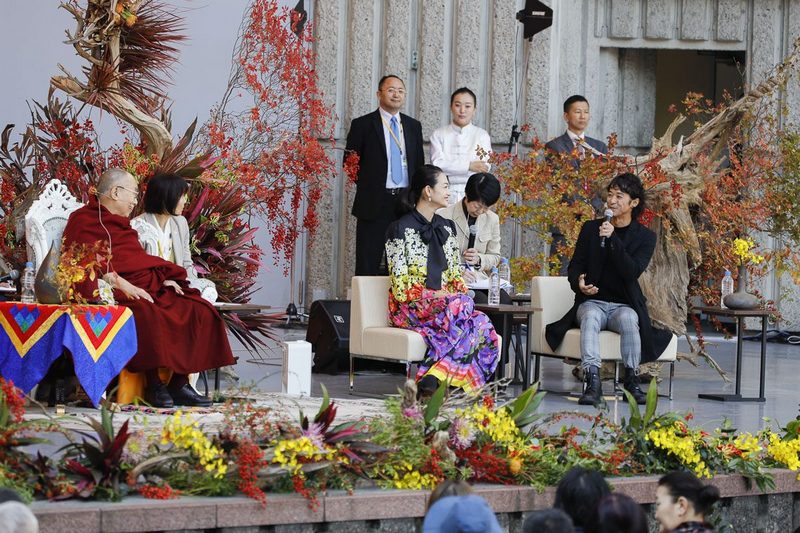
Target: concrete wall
{"type": "Point", "coordinates": [606, 50]}
{"type": "Point", "coordinates": [371, 510]}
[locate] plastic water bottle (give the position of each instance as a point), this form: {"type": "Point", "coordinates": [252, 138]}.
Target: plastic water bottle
{"type": "Point", "coordinates": [494, 287]}
{"type": "Point", "coordinates": [27, 295]}
{"type": "Point", "coordinates": [727, 288]}
{"type": "Point", "coordinates": [505, 275]}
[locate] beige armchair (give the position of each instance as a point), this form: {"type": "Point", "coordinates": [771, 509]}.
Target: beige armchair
{"type": "Point", "coordinates": [553, 295]}
{"type": "Point", "coordinates": [371, 335]}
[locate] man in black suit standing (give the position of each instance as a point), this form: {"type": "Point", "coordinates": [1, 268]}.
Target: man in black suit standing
{"type": "Point", "coordinates": [576, 115]}
{"type": "Point", "coordinates": [389, 147]}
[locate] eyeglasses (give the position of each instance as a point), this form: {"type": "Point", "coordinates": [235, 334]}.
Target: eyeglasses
{"type": "Point", "coordinates": [135, 193]}
{"type": "Point", "coordinates": [393, 91]}
{"type": "Point", "coordinates": [478, 207]}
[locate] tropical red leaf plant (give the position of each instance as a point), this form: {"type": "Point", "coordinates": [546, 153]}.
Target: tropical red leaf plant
{"type": "Point", "coordinates": [96, 462]}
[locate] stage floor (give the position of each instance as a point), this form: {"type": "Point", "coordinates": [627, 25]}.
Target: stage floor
{"type": "Point", "coordinates": [782, 390]}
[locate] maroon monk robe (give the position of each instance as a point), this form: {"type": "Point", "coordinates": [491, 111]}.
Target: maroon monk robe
{"type": "Point", "coordinates": [182, 333]}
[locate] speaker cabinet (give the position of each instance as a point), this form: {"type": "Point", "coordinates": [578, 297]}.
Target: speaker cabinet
{"type": "Point", "coordinates": [329, 335]}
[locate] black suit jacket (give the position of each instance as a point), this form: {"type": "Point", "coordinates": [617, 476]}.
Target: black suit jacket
{"type": "Point", "coordinates": [630, 259]}
{"type": "Point", "coordinates": [367, 139]}
{"type": "Point", "coordinates": [564, 144]}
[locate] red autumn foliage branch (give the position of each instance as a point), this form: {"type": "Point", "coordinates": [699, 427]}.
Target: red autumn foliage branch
{"type": "Point", "coordinates": [268, 126]}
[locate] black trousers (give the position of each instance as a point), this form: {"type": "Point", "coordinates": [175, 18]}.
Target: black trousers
{"type": "Point", "coordinates": [371, 235]}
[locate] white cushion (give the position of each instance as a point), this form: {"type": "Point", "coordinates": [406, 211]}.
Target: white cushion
{"type": "Point", "coordinates": [393, 343]}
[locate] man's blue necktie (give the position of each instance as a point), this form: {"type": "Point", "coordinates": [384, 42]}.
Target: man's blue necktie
{"type": "Point", "coordinates": [397, 156]}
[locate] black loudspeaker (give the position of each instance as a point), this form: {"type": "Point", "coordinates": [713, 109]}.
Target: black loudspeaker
{"type": "Point", "coordinates": [329, 335]}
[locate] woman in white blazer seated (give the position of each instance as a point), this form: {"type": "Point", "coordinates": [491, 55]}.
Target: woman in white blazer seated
{"type": "Point", "coordinates": [164, 232]}
{"type": "Point", "coordinates": [480, 253]}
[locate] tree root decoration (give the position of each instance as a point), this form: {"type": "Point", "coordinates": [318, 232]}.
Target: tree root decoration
{"type": "Point", "coordinates": [153, 462]}
{"type": "Point", "coordinates": [154, 132]}
{"type": "Point", "coordinates": [710, 361]}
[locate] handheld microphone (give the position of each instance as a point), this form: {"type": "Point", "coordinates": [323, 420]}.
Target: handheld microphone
{"type": "Point", "coordinates": [11, 275]}
{"type": "Point", "coordinates": [608, 213]}
{"type": "Point", "coordinates": [473, 231]}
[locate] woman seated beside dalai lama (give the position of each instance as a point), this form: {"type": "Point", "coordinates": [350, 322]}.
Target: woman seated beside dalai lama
{"type": "Point", "coordinates": [428, 294]}
{"type": "Point", "coordinates": [164, 232]}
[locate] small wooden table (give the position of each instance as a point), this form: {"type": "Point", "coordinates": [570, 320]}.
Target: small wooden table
{"type": "Point", "coordinates": [240, 309]}
{"type": "Point", "coordinates": [740, 315]}
{"type": "Point", "coordinates": [508, 311]}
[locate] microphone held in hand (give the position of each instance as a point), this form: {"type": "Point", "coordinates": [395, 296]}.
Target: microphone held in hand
{"type": "Point", "coordinates": [473, 231]}
{"type": "Point", "coordinates": [608, 214]}
{"type": "Point", "coordinates": [11, 275]}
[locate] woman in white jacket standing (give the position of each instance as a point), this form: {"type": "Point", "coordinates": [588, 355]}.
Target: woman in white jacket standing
{"type": "Point", "coordinates": [455, 148]}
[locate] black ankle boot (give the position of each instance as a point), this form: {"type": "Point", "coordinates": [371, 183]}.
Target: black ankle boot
{"type": "Point", "coordinates": [593, 393]}
{"type": "Point", "coordinates": [631, 385]}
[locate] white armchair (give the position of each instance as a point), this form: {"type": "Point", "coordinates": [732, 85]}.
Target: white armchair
{"type": "Point", "coordinates": [554, 296]}
{"type": "Point", "coordinates": [371, 334]}
{"type": "Point", "coordinates": [46, 219]}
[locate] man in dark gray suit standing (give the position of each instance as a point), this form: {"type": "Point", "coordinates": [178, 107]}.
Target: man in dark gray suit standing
{"type": "Point", "coordinates": [389, 147]}
{"type": "Point", "coordinates": [576, 115]}
{"type": "Point", "coordinates": [575, 140]}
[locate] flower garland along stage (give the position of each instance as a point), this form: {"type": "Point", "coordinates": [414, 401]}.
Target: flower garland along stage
{"type": "Point", "coordinates": [414, 446]}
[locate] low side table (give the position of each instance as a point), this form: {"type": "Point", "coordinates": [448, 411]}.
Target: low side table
{"type": "Point", "coordinates": [740, 315]}
{"type": "Point", "coordinates": [508, 311]}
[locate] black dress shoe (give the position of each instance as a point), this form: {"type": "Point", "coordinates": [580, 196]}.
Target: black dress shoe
{"type": "Point", "coordinates": [158, 396]}
{"type": "Point", "coordinates": [186, 395]}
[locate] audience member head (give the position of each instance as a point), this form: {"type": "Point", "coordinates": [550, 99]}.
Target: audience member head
{"type": "Point", "coordinates": [578, 493]}
{"type": "Point", "coordinates": [481, 192]}
{"type": "Point", "coordinates": [391, 93]}
{"type": "Point", "coordinates": [429, 185]}
{"type": "Point", "coordinates": [618, 513]}
{"type": "Point", "coordinates": [576, 113]}
{"type": "Point", "coordinates": [461, 514]}
{"type": "Point", "coordinates": [548, 521]}
{"type": "Point", "coordinates": [15, 517]}
{"type": "Point", "coordinates": [462, 106]}
{"type": "Point", "coordinates": [165, 195]}
{"type": "Point", "coordinates": [630, 185]}
{"type": "Point", "coordinates": [118, 191]}
{"type": "Point", "coordinates": [449, 487]}
{"type": "Point", "coordinates": [8, 495]}
{"type": "Point", "coordinates": [681, 497]}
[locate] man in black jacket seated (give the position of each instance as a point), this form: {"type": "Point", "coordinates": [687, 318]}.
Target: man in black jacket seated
{"type": "Point", "coordinates": [604, 272]}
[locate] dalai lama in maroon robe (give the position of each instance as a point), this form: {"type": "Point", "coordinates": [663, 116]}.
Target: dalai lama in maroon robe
{"type": "Point", "coordinates": [176, 328]}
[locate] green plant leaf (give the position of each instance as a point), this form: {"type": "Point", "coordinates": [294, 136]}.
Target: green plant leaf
{"type": "Point", "coordinates": [326, 399]}
{"type": "Point", "coordinates": [652, 401]}
{"type": "Point", "coordinates": [435, 404]}
{"type": "Point", "coordinates": [529, 415]}
{"type": "Point", "coordinates": [636, 414]}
